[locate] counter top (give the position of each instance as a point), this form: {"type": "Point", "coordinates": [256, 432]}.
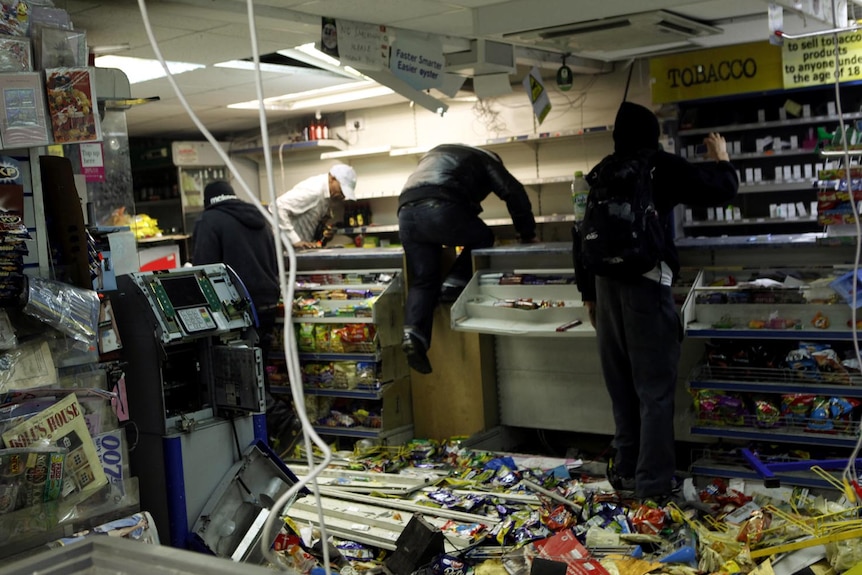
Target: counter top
{"type": "Point", "coordinates": [165, 238]}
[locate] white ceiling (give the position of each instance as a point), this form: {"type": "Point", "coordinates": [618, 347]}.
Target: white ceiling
{"type": "Point", "coordinates": [211, 31]}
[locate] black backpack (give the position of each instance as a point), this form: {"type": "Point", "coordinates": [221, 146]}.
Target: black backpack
{"type": "Point", "coordinates": [622, 235]}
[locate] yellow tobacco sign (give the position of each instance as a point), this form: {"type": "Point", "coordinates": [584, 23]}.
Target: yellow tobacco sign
{"type": "Point", "coordinates": [811, 61]}
{"type": "Point", "coordinates": [752, 67]}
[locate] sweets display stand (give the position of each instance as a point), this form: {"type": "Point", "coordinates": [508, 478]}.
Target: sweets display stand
{"type": "Point", "coordinates": [766, 306]}
{"type": "Point", "coordinates": [375, 299]}
{"type": "Point", "coordinates": [530, 303]}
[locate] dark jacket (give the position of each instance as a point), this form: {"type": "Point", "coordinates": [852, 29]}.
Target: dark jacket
{"type": "Point", "coordinates": [675, 181]}
{"type": "Point", "coordinates": [467, 175]}
{"type": "Point", "coordinates": [236, 233]}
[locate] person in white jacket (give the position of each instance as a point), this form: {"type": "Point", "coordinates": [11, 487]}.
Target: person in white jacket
{"type": "Point", "coordinates": [304, 209]}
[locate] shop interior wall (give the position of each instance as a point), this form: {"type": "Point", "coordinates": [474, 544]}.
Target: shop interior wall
{"type": "Point", "coordinates": [592, 101]}
{"type": "Point", "coordinates": [561, 377]}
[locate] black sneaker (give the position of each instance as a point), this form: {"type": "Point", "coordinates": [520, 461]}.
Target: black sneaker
{"type": "Point", "coordinates": [675, 495]}
{"type": "Point", "coordinates": [415, 351]}
{"type": "Point", "coordinates": [618, 481]}
{"type": "Point", "coordinates": [449, 293]}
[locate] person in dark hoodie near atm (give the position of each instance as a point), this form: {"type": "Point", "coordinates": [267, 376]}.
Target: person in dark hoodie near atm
{"type": "Point", "coordinates": [637, 325]}
{"type": "Point", "coordinates": [236, 233]}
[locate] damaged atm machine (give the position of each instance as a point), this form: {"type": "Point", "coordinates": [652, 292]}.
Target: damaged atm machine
{"type": "Point", "coordinates": [195, 389]}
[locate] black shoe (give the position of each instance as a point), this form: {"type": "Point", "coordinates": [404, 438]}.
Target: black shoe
{"type": "Point", "coordinates": [675, 495]}
{"type": "Point", "coordinates": [449, 293]}
{"type": "Point", "coordinates": [618, 481]}
{"type": "Point", "coordinates": [415, 352]}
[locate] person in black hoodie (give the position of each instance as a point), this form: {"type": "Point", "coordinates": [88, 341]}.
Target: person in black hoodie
{"type": "Point", "coordinates": [235, 233]}
{"type": "Point", "coordinates": [439, 205]}
{"type": "Point", "coordinates": [637, 325]}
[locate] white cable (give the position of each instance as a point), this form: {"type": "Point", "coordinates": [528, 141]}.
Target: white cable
{"type": "Point", "coordinates": [287, 281]}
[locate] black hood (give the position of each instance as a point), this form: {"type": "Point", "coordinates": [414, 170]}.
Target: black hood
{"type": "Point", "coordinates": [635, 128]}
{"type": "Point", "coordinates": [245, 213]}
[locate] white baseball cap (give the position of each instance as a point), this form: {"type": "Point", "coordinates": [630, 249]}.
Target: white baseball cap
{"type": "Point", "coordinates": [346, 176]}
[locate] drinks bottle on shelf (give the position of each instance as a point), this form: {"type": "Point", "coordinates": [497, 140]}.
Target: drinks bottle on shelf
{"type": "Point", "coordinates": [580, 189]}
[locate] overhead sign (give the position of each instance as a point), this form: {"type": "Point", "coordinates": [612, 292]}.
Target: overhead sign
{"type": "Point", "coordinates": [752, 67]}
{"type": "Point", "coordinates": [417, 60]}
{"type": "Point", "coordinates": [535, 89]}
{"type": "Point", "coordinates": [363, 46]}
{"type": "Point", "coordinates": [811, 61]}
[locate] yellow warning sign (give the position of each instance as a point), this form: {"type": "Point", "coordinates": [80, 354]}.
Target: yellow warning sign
{"type": "Point", "coordinates": [538, 95]}
{"type": "Point", "coordinates": [536, 89]}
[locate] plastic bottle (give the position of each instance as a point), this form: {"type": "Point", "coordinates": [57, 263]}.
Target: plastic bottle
{"type": "Point", "coordinates": [580, 189]}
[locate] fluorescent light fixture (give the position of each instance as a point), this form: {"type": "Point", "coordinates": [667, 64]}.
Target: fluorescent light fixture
{"type": "Point", "coordinates": [140, 69]}
{"type": "Point", "coordinates": [363, 94]}
{"type": "Point", "coordinates": [264, 67]}
{"type": "Point", "coordinates": [109, 49]}
{"type": "Point", "coordinates": [321, 97]}
{"type": "Point", "coordinates": [314, 52]}
{"type": "Point", "coordinates": [310, 55]}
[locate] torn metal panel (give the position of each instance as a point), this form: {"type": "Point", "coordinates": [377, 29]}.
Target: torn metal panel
{"type": "Point", "coordinates": [368, 524]}
{"type": "Point", "coordinates": [411, 506]}
{"type": "Point", "coordinates": [367, 481]}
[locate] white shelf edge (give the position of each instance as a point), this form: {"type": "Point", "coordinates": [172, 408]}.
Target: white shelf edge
{"type": "Point", "coordinates": [770, 124]}
{"type": "Point", "coordinates": [775, 186]}
{"type": "Point", "coordinates": [357, 153]}
{"type": "Point", "coordinates": [291, 147]}
{"type": "Point", "coordinates": [749, 222]}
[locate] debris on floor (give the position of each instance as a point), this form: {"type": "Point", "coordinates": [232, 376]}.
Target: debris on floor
{"type": "Point", "coordinates": [471, 512]}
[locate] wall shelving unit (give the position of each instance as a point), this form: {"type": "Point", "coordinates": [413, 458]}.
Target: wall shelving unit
{"type": "Point", "coordinates": [772, 315]}
{"type": "Point", "coordinates": [774, 141]}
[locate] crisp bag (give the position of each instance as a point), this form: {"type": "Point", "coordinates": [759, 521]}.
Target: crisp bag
{"type": "Point", "coordinates": [565, 548]}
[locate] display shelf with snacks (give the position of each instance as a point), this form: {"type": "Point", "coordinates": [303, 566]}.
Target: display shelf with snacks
{"type": "Point", "coordinates": [515, 321]}
{"type": "Point", "coordinates": [812, 397]}
{"type": "Point", "coordinates": [764, 303]}
{"type": "Point", "coordinates": [834, 204]}
{"type": "Point", "coordinates": [361, 414]}
{"type": "Point", "coordinates": [348, 333]}
{"type": "Point", "coordinates": [531, 303]}
{"type": "Point", "coordinates": [778, 364]}
{"type": "Point", "coordinates": [774, 141]}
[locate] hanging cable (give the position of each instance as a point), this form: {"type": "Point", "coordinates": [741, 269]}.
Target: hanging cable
{"type": "Point", "coordinates": [287, 282]}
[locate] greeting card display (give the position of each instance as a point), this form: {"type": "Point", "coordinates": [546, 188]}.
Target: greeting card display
{"type": "Point", "coordinates": [15, 54]}
{"type": "Point", "coordinates": [23, 121]}
{"type": "Point", "coordinates": [72, 104]}
{"type": "Point", "coordinates": [59, 48]}
{"type": "Point", "coordinates": [14, 17]}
